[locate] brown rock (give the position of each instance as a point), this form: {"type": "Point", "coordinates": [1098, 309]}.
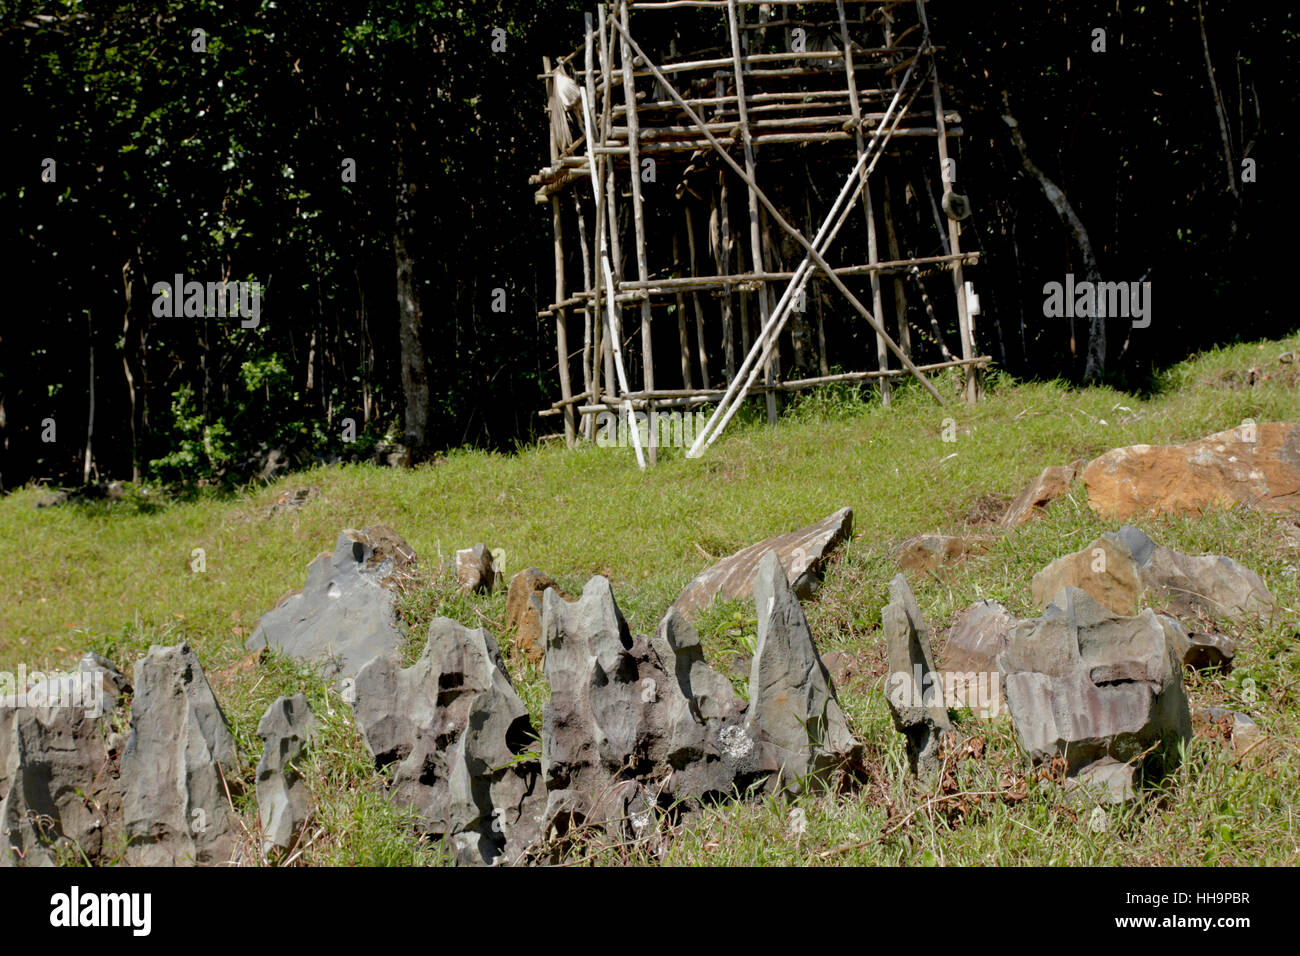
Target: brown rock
{"type": "Point", "coordinates": [1224, 469]}
{"type": "Point", "coordinates": [930, 552]}
{"type": "Point", "coordinates": [1054, 482]}
{"type": "Point", "coordinates": [475, 571]}
{"type": "Point", "coordinates": [801, 553]}
{"type": "Point", "coordinates": [1105, 569]}
{"type": "Point", "coordinates": [1236, 730]}
{"type": "Point", "coordinates": [524, 610]}
{"type": "Point", "coordinates": [842, 666]}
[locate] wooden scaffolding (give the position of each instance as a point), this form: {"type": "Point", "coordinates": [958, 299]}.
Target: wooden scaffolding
{"type": "Point", "coordinates": [661, 153]}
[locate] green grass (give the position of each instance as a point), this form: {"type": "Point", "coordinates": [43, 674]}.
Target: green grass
{"type": "Point", "coordinates": [115, 577]}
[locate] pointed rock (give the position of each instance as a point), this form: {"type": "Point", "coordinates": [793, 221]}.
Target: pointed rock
{"type": "Point", "coordinates": [60, 797]}
{"type": "Point", "coordinates": [177, 765]}
{"type": "Point", "coordinates": [1052, 483]}
{"type": "Point", "coordinates": [343, 616]}
{"type": "Point", "coordinates": [793, 713]}
{"type": "Point", "coordinates": [914, 690]}
{"type": "Point", "coordinates": [461, 739]}
{"type": "Point", "coordinates": [708, 747]}
{"type": "Point", "coordinates": [1105, 569]}
{"type": "Point", "coordinates": [1195, 585]}
{"type": "Point", "coordinates": [633, 724]}
{"type": "Point", "coordinates": [285, 730]}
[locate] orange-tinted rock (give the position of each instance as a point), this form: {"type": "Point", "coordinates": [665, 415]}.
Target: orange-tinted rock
{"type": "Point", "coordinates": [1052, 483]}
{"type": "Point", "coordinates": [1255, 465]}
{"type": "Point", "coordinates": [1105, 569]}
{"type": "Point", "coordinates": [524, 610]}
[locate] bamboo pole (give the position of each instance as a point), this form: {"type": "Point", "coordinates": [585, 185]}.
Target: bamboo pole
{"type": "Point", "coordinates": [683, 337]}
{"type": "Point", "coordinates": [638, 221]}
{"type": "Point", "coordinates": [602, 357]}
{"type": "Point", "coordinates": [971, 391]}
{"type": "Point", "coordinates": [695, 300]}
{"type": "Point", "coordinates": [882, 351]}
{"type": "Point", "coordinates": [609, 278]}
{"type": "Point", "coordinates": [589, 338]}
{"type": "Point", "coordinates": [561, 316]}
{"type": "Point", "coordinates": [755, 229]}
{"type": "Point", "coordinates": [614, 335]}
{"type": "Point", "coordinates": [678, 398]}
{"type": "Point", "coordinates": [722, 256]}
{"type": "Point", "coordinates": [900, 300]}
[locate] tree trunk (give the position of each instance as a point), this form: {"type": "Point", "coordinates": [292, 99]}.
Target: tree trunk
{"type": "Point", "coordinates": [1095, 364]}
{"type": "Point", "coordinates": [88, 463]}
{"type": "Point", "coordinates": [129, 271]}
{"type": "Point", "coordinates": [415, 380]}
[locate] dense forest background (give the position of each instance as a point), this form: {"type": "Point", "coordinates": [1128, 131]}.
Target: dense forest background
{"type": "Point", "coordinates": [1170, 148]}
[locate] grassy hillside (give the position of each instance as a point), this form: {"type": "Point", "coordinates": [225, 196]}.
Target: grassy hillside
{"type": "Point", "coordinates": [115, 577]}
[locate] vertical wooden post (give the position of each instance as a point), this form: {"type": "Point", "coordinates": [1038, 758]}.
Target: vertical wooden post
{"type": "Point", "coordinates": [755, 229]}
{"type": "Point", "coordinates": [561, 321]}
{"type": "Point", "coordinates": [722, 255]}
{"type": "Point", "coordinates": [873, 257]}
{"type": "Point", "coordinates": [600, 345]}
{"type": "Point", "coordinates": [895, 253]}
{"type": "Point", "coordinates": [610, 233]}
{"type": "Point", "coordinates": [683, 337]}
{"type": "Point", "coordinates": [823, 360]}
{"type": "Point", "coordinates": [89, 460]}
{"type": "Point", "coordinates": [561, 314]}
{"type": "Point", "coordinates": [590, 324]}
{"type": "Point", "coordinates": [638, 225]}
{"type": "Point", "coordinates": [948, 179]}
{"type": "Point", "coordinates": [954, 240]}
{"type": "Point", "coordinates": [699, 307]}
{"type": "Point", "coordinates": [891, 234]}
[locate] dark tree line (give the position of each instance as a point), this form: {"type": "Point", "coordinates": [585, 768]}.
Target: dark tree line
{"type": "Point", "coordinates": [367, 164]}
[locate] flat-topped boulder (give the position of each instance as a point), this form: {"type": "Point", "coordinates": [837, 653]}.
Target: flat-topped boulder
{"type": "Point", "coordinates": [1126, 569]}
{"type": "Point", "coordinates": [1089, 685]}
{"type": "Point", "coordinates": [802, 555]}
{"type": "Point", "coordinates": [1253, 465]}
